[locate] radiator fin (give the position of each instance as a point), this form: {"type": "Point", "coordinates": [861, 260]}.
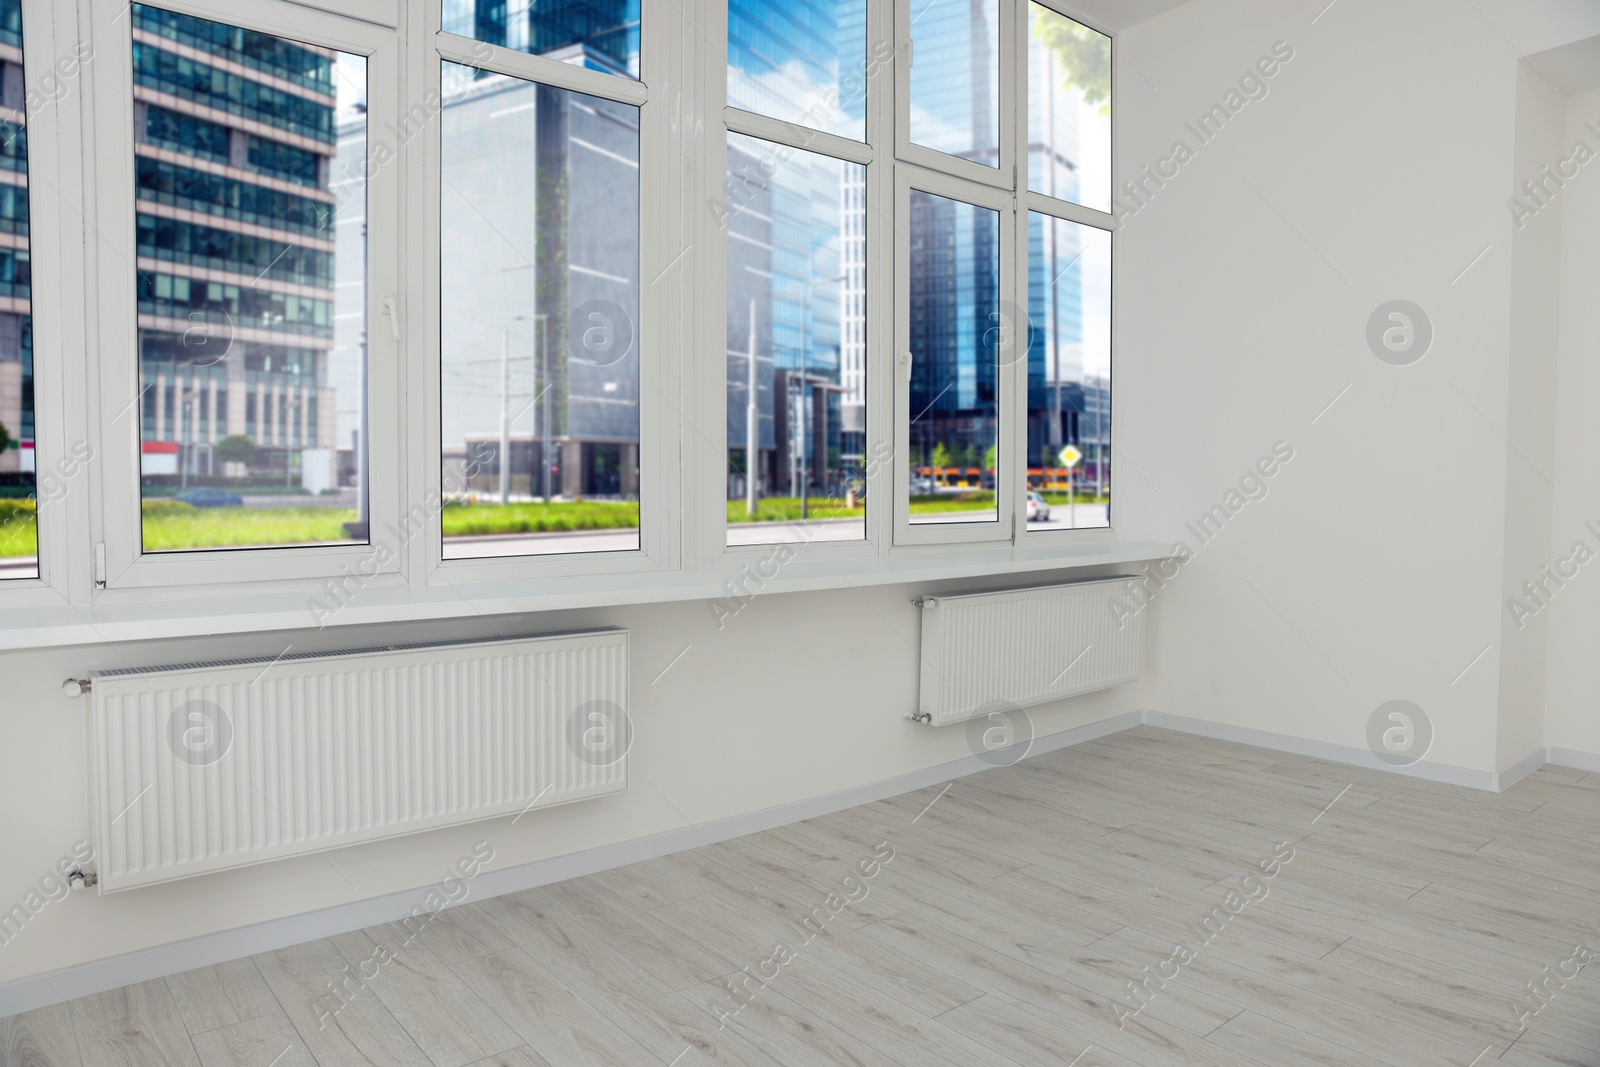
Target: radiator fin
{"type": "Point", "coordinates": [328, 751]}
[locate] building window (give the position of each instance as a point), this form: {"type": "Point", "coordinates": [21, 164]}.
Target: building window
{"type": "Point", "coordinates": [956, 332]}
{"type": "Point", "coordinates": [540, 343]}
{"type": "Point", "coordinates": [1068, 274]}
{"type": "Point", "coordinates": [250, 179]}
{"type": "Point", "coordinates": [19, 501]}
{"type": "Point", "coordinates": [1005, 312]}
{"type": "Point", "coordinates": [804, 62]}
{"type": "Point", "coordinates": [796, 384]}
{"type": "Point", "coordinates": [1069, 109]}
{"type": "Point", "coordinates": [954, 94]}
{"type": "Point", "coordinates": [600, 35]}
{"type": "Point", "coordinates": [1069, 373]}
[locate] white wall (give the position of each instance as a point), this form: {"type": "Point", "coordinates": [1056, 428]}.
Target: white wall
{"type": "Point", "coordinates": [1573, 692]}
{"type": "Point", "coordinates": [796, 697]}
{"type": "Point", "coordinates": [1376, 168]}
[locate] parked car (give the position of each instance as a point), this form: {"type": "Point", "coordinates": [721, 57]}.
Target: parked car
{"type": "Point", "coordinates": [211, 497]}
{"type": "Point", "coordinates": [923, 487]}
{"type": "Point", "coordinates": [1038, 510]}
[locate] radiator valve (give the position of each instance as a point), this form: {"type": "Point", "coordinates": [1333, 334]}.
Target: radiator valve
{"type": "Point", "coordinates": [76, 687]}
{"type": "Point", "coordinates": [78, 876]}
{"type": "Point", "coordinates": [921, 716]}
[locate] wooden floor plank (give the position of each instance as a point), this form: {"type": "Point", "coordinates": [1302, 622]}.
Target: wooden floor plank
{"type": "Point", "coordinates": [1011, 918]}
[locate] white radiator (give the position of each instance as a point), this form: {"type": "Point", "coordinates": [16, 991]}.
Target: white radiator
{"type": "Point", "coordinates": [1025, 646]}
{"type": "Point", "coordinates": [209, 766]}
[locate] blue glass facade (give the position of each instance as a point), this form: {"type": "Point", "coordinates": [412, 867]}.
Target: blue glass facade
{"type": "Point", "coordinates": [236, 253]}
{"type": "Point", "coordinates": [793, 221]}
{"type": "Point", "coordinates": [599, 34]}
{"type": "Point", "coordinates": [16, 288]}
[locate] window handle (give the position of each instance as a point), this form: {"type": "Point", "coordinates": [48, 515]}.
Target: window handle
{"type": "Point", "coordinates": [394, 316]}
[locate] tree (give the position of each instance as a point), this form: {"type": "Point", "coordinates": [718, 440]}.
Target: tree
{"type": "Point", "coordinates": [942, 459]}
{"type": "Point", "coordinates": [236, 448]}
{"type": "Point", "coordinates": [988, 458]}
{"type": "Point", "coordinates": [1084, 55]}
{"type": "Point", "coordinates": [5, 437]}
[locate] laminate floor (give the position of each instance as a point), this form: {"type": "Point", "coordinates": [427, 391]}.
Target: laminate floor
{"type": "Point", "coordinates": [1150, 898]}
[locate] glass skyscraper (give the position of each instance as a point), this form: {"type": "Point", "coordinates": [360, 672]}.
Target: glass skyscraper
{"type": "Point", "coordinates": [540, 275]}
{"type": "Point", "coordinates": [796, 248]}
{"type": "Point", "coordinates": [16, 320]}
{"type": "Point", "coordinates": [235, 139]}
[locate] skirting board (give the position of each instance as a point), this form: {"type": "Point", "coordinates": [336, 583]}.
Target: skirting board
{"type": "Point", "coordinates": [1449, 774]}
{"type": "Point", "coordinates": [1573, 758]}
{"type": "Point", "coordinates": [25, 994]}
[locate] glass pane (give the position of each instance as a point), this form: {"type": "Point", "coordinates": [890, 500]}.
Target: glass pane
{"type": "Point", "coordinates": [955, 77]}
{"type": "Point", "coordinates": [796, 345]}
{"type": "Point", "coordinates": [1069, 109]}
{"type": "Point", "coordinates": [539, 404]}
{"type": "Point", "coordinates": [1069, 374]}
{"type": "Point", "coordinates": [250, 172]}
{"type": "Point", "coordinates": [957, 330]}
{"type": "Point", "coordinates": [601, 35]}
{"type": "Point", "coordinates": [802, 61]}
{"type": "Point", "coordinates": [23, 488]}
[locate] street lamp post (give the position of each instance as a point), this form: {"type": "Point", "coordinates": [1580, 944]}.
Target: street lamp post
{"type": "Point", "coordinates": [752, 422]}
{"type": "Point", "coordinates": [542, 327]}
{"type": "Point", "coordinates": [505, 361]}
{"type": "Point", "coordinates": [805, 398]}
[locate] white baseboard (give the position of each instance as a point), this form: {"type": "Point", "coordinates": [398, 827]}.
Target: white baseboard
{"type": "Point", "coordinates": [1574, 758]}
{"type": "Point", "coordinates": [1302, 746]}
{"type": "Point", "coordinates": [37, 991]}
{"type": "Point", "coordinates": [1519, 770]}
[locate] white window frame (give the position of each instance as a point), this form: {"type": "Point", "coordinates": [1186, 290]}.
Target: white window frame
{"type": "Point", "coordinates": [82, 212]}
{"type": "Point", "coordinates": [1001, 176]}
{"type": "Point", "coordinates": [660, 347]}
{"type": "Point", "coordinates": [1029, 201]}
{"type": "Point", "coordinates": [1009, 353]}
{"type": "Point", "coordinates": [1005, 189]}
{"type": "Point", "coordinates": [49, 37]}
{"type": "Point", "coordinates": [113, 357]}
{"type": "Point", "coordinates": [713, 394]}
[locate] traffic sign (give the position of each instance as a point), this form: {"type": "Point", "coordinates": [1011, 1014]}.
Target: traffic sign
{"type": "Point", "coordinates": [1070, 456]}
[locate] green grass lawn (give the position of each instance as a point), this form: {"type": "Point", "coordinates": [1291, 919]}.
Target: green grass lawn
{"type": "Point", "coordinates": [171, 528]}
{"type": "Point", "coordinates": [461, 520]}
{"type": "Point", "coordinates": [18, 529]}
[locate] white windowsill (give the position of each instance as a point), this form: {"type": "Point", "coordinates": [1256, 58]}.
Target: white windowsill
{"type": "Point", "coordinates": [53, 626]}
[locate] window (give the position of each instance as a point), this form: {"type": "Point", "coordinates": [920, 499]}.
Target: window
{"type": "Point", "coordinates": [1069, 109]}
{"type": "Point", "coordinates": [20, 482]}
{"type": "Point", "coordinates": [1004, 301]}
{"type": "Point", "coordinates": [540, 347]}
{"type": "Point", "coordinates": [473, 302]}
{"type": "Point", "coordinates": [956, 334]}
{"type": "Point", "coordinates": [804, 63]}
{"type": "Point", "coordinates": [796, 324]}
{"type": "Point", "coordinates": [600, 35]}
{"type": "Point", "coordinates": [955, 78]}
{"type": "Point", "coordinates": [250, 187]}
{"type": "Point", "coordinates": [1069, 373]}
